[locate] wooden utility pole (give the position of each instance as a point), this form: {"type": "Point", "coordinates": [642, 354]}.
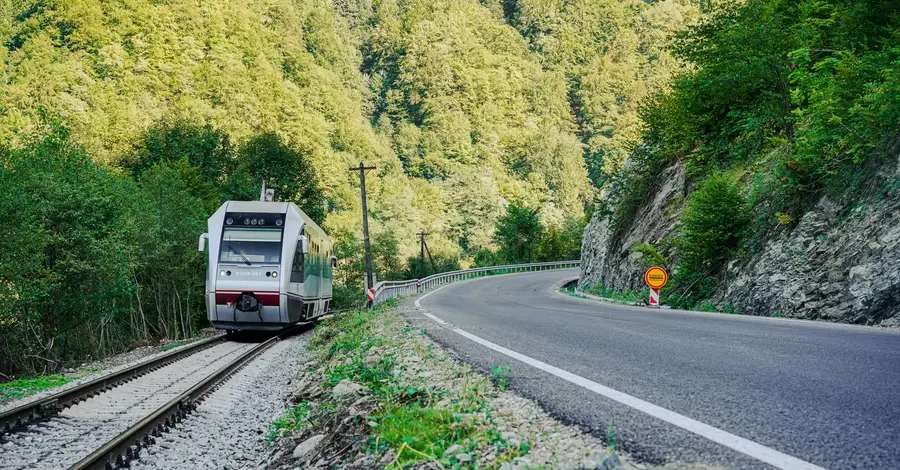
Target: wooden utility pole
{"type": "Point", "coordinates": [421, 255]}
{"type": "Point", "coordinates": [365, 215]}
{"type": "Point", "coordinates": [422, 249]}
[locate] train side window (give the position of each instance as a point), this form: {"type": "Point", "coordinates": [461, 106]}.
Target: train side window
{"type": "Point", "coordinates": [297, 265]}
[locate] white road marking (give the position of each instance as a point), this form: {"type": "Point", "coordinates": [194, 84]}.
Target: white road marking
{"type": "Point", "coordinates": [745, 446]}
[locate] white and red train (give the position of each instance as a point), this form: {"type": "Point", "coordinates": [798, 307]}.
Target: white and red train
{"type": "Point", "coordinates": [269, 266]}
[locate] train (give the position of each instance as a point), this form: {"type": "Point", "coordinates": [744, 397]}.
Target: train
{"type": "Point", "coordinates": [269, 266]}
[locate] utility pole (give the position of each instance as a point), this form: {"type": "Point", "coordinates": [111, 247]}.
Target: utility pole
{"type": "Point", "coordinates": [365, 214]}
{"type": "Point", "coordinates": [422, 249]}
{"type": "Point", "coordinates": [421, 254]}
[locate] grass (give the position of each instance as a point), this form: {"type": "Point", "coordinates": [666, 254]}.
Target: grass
{"type": "Point", "coordinates": [420, 433]}
{"type": "Point", "coordinates": [573, 292]}
{"type": "Point", "coordinates": [371, 347]}
{"type": "Point", "coordinates": [618, 295]}
{"type": "Point", "coordinates": [611, 437]}
{"type": "Point", "coordinates": [500, 376]}
{"type": "Point", "coordinates": [167, 347]}
{"type": "Point", "coordinates": [24, 387]}
{"type": "Point", "coordinates": [296, 418]}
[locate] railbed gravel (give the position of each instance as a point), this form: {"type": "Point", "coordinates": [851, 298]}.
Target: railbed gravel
{"type": "Point", "coordinates": [80, 429]}
{"type": "Point", "coordinates": [229, 428]}
{"type": "Point", "coordinates": [90, 371]}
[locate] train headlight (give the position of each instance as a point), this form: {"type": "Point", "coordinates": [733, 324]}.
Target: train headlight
{"type": "Point", "coordinates": [274, 274]}
{"type": "Point", "coordinates": [262, 221]}
{"type": "Point", "coordinates": [246, 221]}
{"type": "Point", "coordinates": [278, 222]}
{"type": "Point", "coordinates": [253, 221]}
{"type": "Point", "coordinates": [222, 272]}
{"type": "Point", "coordinates": [229, 221]}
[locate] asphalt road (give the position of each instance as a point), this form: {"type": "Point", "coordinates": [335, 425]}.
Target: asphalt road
{"type": "Point", "coordinates": [824, 393]}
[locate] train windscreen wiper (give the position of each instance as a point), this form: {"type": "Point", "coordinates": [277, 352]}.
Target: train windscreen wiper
{"type": "Point", "coordinates": [238, 252]}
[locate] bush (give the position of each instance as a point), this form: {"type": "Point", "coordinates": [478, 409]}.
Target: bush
{"type": "Point", "coordinates": [69, 257]}
{"type": "Point", "coordinates": [687, 289]}
{"type": "Point", "coordinates": [94, 260]}
{"type": "Point", "coordinates": [713, 223]}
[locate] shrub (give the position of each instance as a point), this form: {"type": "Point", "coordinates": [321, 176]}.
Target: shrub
{"type": "Point", "coordinates": [713, 223]}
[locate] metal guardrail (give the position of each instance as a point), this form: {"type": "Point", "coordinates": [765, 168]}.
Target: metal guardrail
{"type": "Point", "coordinates": [390, 289]}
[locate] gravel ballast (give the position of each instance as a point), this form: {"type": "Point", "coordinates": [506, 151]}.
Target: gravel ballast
{"type": "Point", "coordinates": [93, 370]}
{"type": "Point", "coordinates": [80, 429]}
{"type": "Point", "coordinates": [229, 429]}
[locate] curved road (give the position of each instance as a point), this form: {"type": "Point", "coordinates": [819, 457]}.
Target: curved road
{"type": "Point", "coordinates": [822, 394]}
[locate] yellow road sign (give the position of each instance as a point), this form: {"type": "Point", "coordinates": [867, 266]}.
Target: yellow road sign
{"type": "Point", "coordinates": [656, 277]}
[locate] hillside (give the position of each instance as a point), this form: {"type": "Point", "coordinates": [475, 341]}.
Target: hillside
{"type": "Point", "coordinates": [766, 179]}
{"type": "Point", "coordinates": [493, 125]}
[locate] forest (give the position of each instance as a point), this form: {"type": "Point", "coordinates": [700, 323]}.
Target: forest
{"type": "Point", "coordinates": [497, 126]}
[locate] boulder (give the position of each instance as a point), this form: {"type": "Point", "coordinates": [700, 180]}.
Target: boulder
{"type": "Point", "coordinates": [345, 389]}
{"type": "Point", "coordinates": [306, 447]}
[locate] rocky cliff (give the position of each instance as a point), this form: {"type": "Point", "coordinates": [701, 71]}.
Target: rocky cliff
{"type": "Point", "coordinates": [840, 262]}
{"type": "Point", "coordinates": [606, 252]}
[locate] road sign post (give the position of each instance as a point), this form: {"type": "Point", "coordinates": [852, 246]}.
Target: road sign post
{"type": "Point", "coordinates": [655, 277]}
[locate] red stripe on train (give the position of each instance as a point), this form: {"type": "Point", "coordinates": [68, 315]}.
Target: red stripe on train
{"type": "Point", "coordinates": [267, 298]}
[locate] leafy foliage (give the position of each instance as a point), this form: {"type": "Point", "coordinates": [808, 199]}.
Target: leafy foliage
{"type": "Point", "coordinates": [713, 223]}
{"type": "Point", "coordinates": [67, 267]}
{"type": "Point", "coordinates": [801, 96]}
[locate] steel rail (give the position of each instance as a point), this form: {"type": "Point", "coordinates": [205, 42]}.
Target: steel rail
{"type": "Point", "coordinates": [49, 406]}
{"type": "Point", "coordinates": [390, 289]}
{"type": "Point", "coordinates": [126, 446]}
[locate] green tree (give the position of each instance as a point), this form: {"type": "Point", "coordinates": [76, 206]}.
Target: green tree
{"type": "Point", "coordinates": [206, 152]}
{"type": "Point", "coordinates": [518, 233]}
{"type": "Point", "coordinates": [267, 158]}
{"type": "Point", "coordinates": [66, 270]}
{"type": "Point", "coordinates": [713, 223]}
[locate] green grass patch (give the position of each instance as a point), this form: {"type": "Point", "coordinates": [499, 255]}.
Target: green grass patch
{"type": "Point", "coordinates": [24, 387]}
{"type": "Point", "coordinates": [294, 419]}
{"type": "Point", "coordinates": [378, 377]}
{"type": "Point", "coordinates": [366, 347]}
{"type": "Point", "coordinates": [419, 433]}
{"type": "Point", "coordinates": [167, 347]}
{"type": "Point", "coordinates": [618, 295]}
{"type": "Point", "coordinates": [573, 292]}
{"type": "Point", "coordinates": [500, 376]}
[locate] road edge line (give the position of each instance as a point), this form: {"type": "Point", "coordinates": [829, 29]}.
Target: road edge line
{"type": "Point", "coordinates": [732, 441]}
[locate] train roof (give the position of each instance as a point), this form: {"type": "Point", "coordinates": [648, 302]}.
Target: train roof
{"type": "Point", "coordinates": [272, 208]}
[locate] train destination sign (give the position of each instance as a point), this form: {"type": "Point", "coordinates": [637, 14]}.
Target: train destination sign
{"type": "Point", "coordinates": [656, 277]}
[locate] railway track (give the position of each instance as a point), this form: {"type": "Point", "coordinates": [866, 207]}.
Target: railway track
{"type": "Point", "coordinates": [106, 422]}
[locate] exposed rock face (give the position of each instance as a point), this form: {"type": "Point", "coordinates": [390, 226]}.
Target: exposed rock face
{"type": "Point", "coordinates": [607, 258]}
{"type": "Point", "coordinates": [838, 263]}
{"type": "Point", "coordinates": [831, 267]}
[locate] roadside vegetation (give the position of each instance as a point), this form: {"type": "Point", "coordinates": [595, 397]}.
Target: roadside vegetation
{"type": "Point", "coordinates": [782, 103]}
{"type": "Point", "coordinates": [381, 394]}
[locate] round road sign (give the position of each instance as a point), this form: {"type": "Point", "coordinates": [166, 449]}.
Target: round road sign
{"type": "Point", "coordinates": [656, 277]}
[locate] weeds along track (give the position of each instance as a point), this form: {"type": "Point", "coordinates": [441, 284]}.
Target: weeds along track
{"type": "Point", "coordinates": [107, 427]}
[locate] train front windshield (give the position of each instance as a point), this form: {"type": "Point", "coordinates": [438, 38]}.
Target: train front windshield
{"type": "Point", "coordinates": [251, 246]}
